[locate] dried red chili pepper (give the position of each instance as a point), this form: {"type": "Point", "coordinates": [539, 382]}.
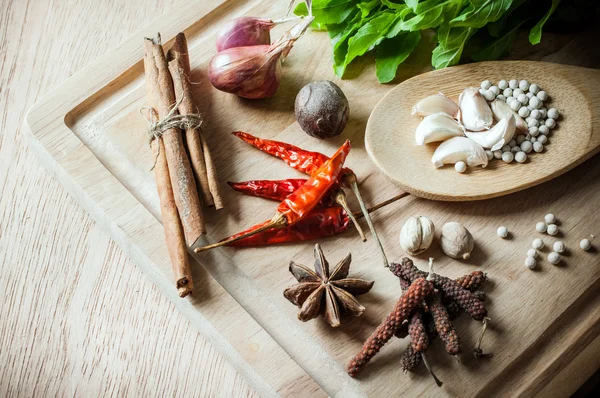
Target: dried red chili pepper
{"type": "Point", "coordinates": [319, 223]}
{"type": "Point", "coordinates": [297, 205]}
{"type": "Point", "coordinates": [307, 162]}
{"type": "Point", "coordinates": [279, 189]}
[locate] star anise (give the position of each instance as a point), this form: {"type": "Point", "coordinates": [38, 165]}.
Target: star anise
{"type": "Point", "coordinates": [318, 291]}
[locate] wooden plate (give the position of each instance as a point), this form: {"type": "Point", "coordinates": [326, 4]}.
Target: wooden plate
{"type": "Point", "coordinates": [390, 130]}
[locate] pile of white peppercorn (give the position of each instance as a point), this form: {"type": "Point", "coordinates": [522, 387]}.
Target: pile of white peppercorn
{"type": "Point", "coordinates": [528, 101]}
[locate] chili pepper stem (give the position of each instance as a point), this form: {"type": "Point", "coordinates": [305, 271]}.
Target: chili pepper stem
{"type": "Point", "coordinates": [350, 179]}
{"type": "Point", "coordinates": [340, 198]}
{"type": "Point", "coordinates": [279, 221]}
{"type": "Point", "coordinates": [437, 381]}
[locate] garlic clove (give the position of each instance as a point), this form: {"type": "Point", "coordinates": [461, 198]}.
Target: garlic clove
{"type": "Point", "coordinates": [437, 127]}
{"type": "Point", "coordinates": [501, 109]}
{"type": "Point", "coordinates": [417, 235]}
{"type": "Point", "coordinates": [475, 113]}
{"type": "Point", "coordinates": [459, 149]}
{"type": "Point", "coordinates": [456, 241]}
{"type": "Point", "coordinates": [496, 137]}
{"type": "Point", "coordinates": [434, 104]}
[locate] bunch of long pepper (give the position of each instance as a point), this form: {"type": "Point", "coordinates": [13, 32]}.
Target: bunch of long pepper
{"type": "Point", "coordinates": [427, 318]}
{"type": "Point", "coordinates": [308, 162]}
{"type": "Point", "coordinates": [297, 205]}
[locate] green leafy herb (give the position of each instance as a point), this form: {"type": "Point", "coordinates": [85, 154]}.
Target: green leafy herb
{"type": "Point", "coordinates": [389, 58]}
{"type": "Point", "coordinates": [535, 35]}
{"type": "Point", "coordinates": [392, 29]}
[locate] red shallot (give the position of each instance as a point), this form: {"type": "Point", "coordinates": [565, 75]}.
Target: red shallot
{"type": "Point", "coordinates": [245, 31]}
{"type": "Point", "coordinates": [254, 71]}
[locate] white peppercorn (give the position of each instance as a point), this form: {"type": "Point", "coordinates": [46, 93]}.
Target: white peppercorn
{"type": "Point", "coordinates": [542, 139]}
{"type": "Point", "coordinates": [530, 262]}
{"type": "Point", "coordinates": [537, 244]}
{"type": "Point", "coordinates": [534, 131]}
{"type": "Point", "coordinates": [497, 154]}
{"type": "Point", "coordinates": [502, 84]}
{"type": "Point", "coordinates": [552, 229]}
{"type": "Point", "coordinates": [553, 113]}
{"type": "Point", "coordinates": [508, 92]}
{"type": "Point", "coordinates": [486, 84]}
{"type": "Point", "coordinates": [505, 148]}
{"type": "Point", "coordinates": [541, 227]}
{"type": "Point", "coordinates": [495, 90]}
{"type": "Point", "coordinates": [521, 157]}
{"type": "Point", "coordinates": [488, 95]}
{"type": "Point", "coordinates": [522, 98]}
{"type": "Point", "coordinates": [550, 123]}
{"type": "Point", "coordinates": [507, 157]}
{"type": "Point", "coordinates": [515, 105]}
{"type": "Point", "coordinates": [460, 167]}
{"type": "Point", "coordinates": [538, 146]}
{"type": "Point", "coordinates": [535, 114]}
{"type": "Point", "coordinates": [532, 122]}
{"type": "Point", "coordinates": [532, 253]}
{"type": "Point", "coordinates": [534, 88]}
{"type": "Point", "coordinates": [533, 139]}
{"type": "Point", "coordinates": [526, 146]}
{"type": "Point", "coordinates": [585, 244]}
{"type": "Point", "coordinates": [501, 97]}
{"type": "Point", "coordinates": [524, 85]}
{"type": "Point", "coordinates": [513, 84]}
{"type": "Point", "coordinates": [524, 112]}
{"type": "Point", "coordinates": [520, 139]}
{"type": "Point", "coordinates": [543, 113]}
{"type": "Point", "coordinates": [549, 218]}
{"type": "Point", "coordinates": [558, 246]}
{"type": "Point", "coordinates": [502, 232]}
{"type": "Point", "coordinates": [543, 129]}
{"type": "Point", "coordinates": [489, 154]}
{"type": "Point", "coordinates": [554, 258]}
{"type": "Point", "coordinates": [517, 92]}
{"type": "Point", "coordinates": [535, 102]}
{"type": "Point", "coordinates": [542, 95]}
{"type": "Point", "coordinates": [515, 149]}
{"type": "Point", "coordinates": [529, 95]}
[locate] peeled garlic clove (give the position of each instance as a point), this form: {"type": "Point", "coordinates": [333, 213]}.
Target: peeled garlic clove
{"type": "Point", "coordinates": [501, 109]}
{"type": "Point", "coordinates": [435, 104]}
{"type": "Point", "coordinates": [437, 127]}
{"type": "Point", "coordinates": [475, 114]}
{"type": "Point", "coordinates": [459, 149]}
{"type": "Point", "coordinates": [416, 235]}
{"type": "Point", "coordinates": [496, 137]}
{"type": "Point", "coordinates": [456, 241]}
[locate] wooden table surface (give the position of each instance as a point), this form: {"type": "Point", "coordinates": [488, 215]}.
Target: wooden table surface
{"type": "Point", "coordinates": [77, 316]}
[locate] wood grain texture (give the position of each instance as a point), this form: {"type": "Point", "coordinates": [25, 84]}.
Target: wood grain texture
{"type": "Point", "coordinates": [572, 91]}
{"type": "Point", "coordinates": [79, 130]}
{"type": "Point", "coordinates": [77, 317]}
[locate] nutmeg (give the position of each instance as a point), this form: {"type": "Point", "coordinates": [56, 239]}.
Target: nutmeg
{"type": "Point", "coordinates": [456, 241]}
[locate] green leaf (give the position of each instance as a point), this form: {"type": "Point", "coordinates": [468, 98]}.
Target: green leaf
{"type": "Point", "coordinates": [340, 34]}
{"type": "Point", "coordinates": [328, 12]}
{"type": "Point", "coordinates": [499, 47]}
{"type": "Point", "coordinates": [495, 28]}
{"type": "Point", "coordinates": [412, 4]}
{"type": "Point", "coordinates": [481, 12]}
{"type": "Point", "coordinates": [432, 13]}
{"type": "Point", "coordinates": [368, 36]}
{"type": "Point", "coordinates": [535, 35]}
{"type": "Point", "coordinates": [397, 6]}
{"type": "Point", "coordinates": [367, 6]}
{"type": "Point", "coordinates": [451, 45]}
{"type": "Point", "coordinates": [392, 52]}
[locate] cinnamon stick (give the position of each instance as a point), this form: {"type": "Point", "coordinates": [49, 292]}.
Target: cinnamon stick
{"type": "Point", "coordinates": [172, 225]}
{"type": "Point", "coordinates": [200, 157]}
{"type": "Point", "coordinates": [162, 99]}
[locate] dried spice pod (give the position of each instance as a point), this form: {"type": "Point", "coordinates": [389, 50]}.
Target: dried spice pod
{"type": "Point", "coordinates": [443, 325]}
{"type": "Point", "coordinates": [416, 329]}
{"type": "Point", "coordinates": [472, 281]}
{"type": "Point", "coordinates": [450, 288]}
{"type": "Point", "coordinates": [410, 359]}
{"type": "Point", "coordinates": [406, 305]}
{"type": "Point", "coordinates": [321, 292]}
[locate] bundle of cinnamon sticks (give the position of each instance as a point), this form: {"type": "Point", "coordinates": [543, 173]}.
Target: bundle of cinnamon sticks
{"type": "Point", "coordinates": [184, 170]}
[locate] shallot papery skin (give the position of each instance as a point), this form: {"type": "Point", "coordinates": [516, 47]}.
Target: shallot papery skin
{"type": "Point", "coordinates": [244, 31]}
{"type": "Point", "coordinates": [250, 72]}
